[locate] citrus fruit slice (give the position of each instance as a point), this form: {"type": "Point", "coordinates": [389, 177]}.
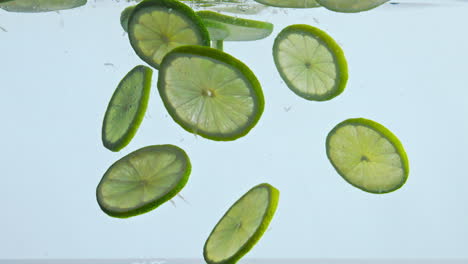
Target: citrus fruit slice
{"type": "Point", "coordinates": [310, 62]}
{"type": "Point", "coordinates": [367, 155]}
{"type": "Point", "coordinates": [240, 29]}
{"type": "Point", "coordinates": [33, 6]}
{"type": "Point", "coordinates": [242, 225]}
{"type": "Point", "coordinates": [143, 180]}
{"type": "Point", "coordinates": [217, 44]}
{"type": "Point", "coordinates": [126, 108]}
{"type": "Point", "coordinates": [290, 3]}
{"type": "Point", "coordinates": [350, 6]}
{"type": "Point", "coordinates": [210, 93]}
{"type": "Point", "coordinates": [155, 27]}
{"type": "Point", "coordinates": [124, 17]}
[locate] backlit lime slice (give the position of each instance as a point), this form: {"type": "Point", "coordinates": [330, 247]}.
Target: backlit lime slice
{"type": "Point", "coordinates": [239, 29]}
{"type": "Point", "coordinates": [290, 3]}
{"type": "Point", "coordinates": [216, 30]}
{"type": "Point", "coordinates": [143, 180]}
{"type": "Point", "coordinates": [210, 93]}
{"type": "Point", "coordinates": [351, 6]}
{"type": "Point", "coordinates": [310, 62]}
{"type": "Point", "coordinates": [155, 27]}
{"type": "Point", "coordinates": [33, 6]}
{"type": "Point", "coordinates": [124, 16]}
{"type": "Point", "coordinates": [242, 225]}
{"type": "Point", "coordinates": [367, 155]}
{"type": "Point", "coordinates": [126, 108]}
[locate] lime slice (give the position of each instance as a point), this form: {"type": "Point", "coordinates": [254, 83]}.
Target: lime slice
{"type": "Point", "coordinates": [143, 180]}
{"type": "Point", "coordinates": [242, 225]}
{"type": "Point", "coordinates": [216, 30]}
{"type": "Point", "coordinates": [350, 6]}
{"type": "Point", "coordinates": [217, 44]}
{"type": "Point", "coordinates": [126, 108]}
{"type": "Point", "coordinates": [33, 6]}
{"type": "Point", "coordinates": [290, 3]}
{"type": "Point", "coordinates": [310, 62]}
{"type": "Point", "coordinates": [239, 29]}
{"type": "Point", "coordinates": [155, 27]}
{"type": "Point", "coordinates": [124, 16]}
{"type": "Point", "coordinates": [210, 93]}
{"type": "Point", "coordinates": [367, 155]}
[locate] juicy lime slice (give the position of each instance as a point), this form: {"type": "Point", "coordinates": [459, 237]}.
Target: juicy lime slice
{"type": "Point", "coordinates": [239, 29]}
{"type": "Point", "coordinates": [216, 30]}
{"type": "Point", "coordinates": [310, 62]}
{"type": "Point", "coordinates": [124, 16]}
{"type": "Point", "coordinates": [143, 180]}
{"type": "Point", "coordinates": [290, 3]}
{"type": "Point", "coordinates": [210, 93]}
{"type": "Point", "coordinates": [126, 108]}
{"type": "Point", "coordinates": [217, 44]}
{"type": "Point", "coordinates": [350, 6]}
{"type": "Point", "coordinates": [367, 155]}
{"type": "Point", "coordinates": [33, 6]}
{"type": "Point", "coordinates": [155, 27]}
{"type": "Point", "coordinates": [242, 225]}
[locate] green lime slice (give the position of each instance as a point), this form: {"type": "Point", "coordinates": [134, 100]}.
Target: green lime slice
{"type": "Point", "coordinates": [367, 155]}
{"type": "Point", "coordinates": [210, 93]}
{"type": "Point", "coordinates": [350, 6]}
{"type": "Point", "coordinates": [242, 225]}
{"type": "Point", "coordinates": [290, 3]}
{"type": "Point", "coordinates": [216, 30]}
{"type": "Point", "coordinates": [35, 6]}
{"type": "Point", "coordinates": [143, 180]}
{"type": "Point", "coordinates": [155, 27]}
{"type": "Point", "coordinates": [217, 44]}
{"type": "Point", "coordinates": [126, 108]}
{"type": "Point", "coordinates": [240, 29]}
{"type": "Point", "coordinates": [124, 16]}
{"type": "Point", "coordinates": [310, 62]}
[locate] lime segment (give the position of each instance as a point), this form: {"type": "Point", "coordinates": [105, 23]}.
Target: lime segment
{"type": "Point", "coordinates": [242, 225]}
{"type": "Point", "coordinates": [143, 180]}
{"type": "Point", "coordinates": [33, 6]}
{"type": "Point", "coordinates": [290, 3]}
{"type": "Point", "coordinates": [367, 155]}
{"type": "Point", "coordinates": [310, 62]}
{"type": "Point", "coordinates": [351, 6]}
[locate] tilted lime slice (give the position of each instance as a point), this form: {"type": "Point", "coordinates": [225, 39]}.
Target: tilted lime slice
{"type": "Point", "coordinates": [216, 30]}
{"type": "Point", "coordinates": [290, 3]}
{"type": "Point", "coordinates": [143, 180]}
{"type": "Point", "coordinates": [310, 62]}
{"type": "Point", "coordinates": [126, 108]}
{"type": "Point", "coordinates": [124, 16]}
{"type": "Point", "coordinates": [239, 29]}
{"type": "Point", "coordinates": [350, 6]}
{"type": "Point", "coordinates": [242, 225]}
{"type": "Point", "coordinates": [367, 155]}
{"type": "Point", "coordinates": [210, 93]}
{"type": "Point", "coordinates": [33, 6]}
{"type": "Point", "coordinates": [155, 27]}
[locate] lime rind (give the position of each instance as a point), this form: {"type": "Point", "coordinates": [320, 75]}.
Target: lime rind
{"type": "Point", "coordinates": [124, 16]}
{"type": "Point", "coordinates": [290, 3]}
{"type": "Point", "coordinates": [272, 204]}
{"type": "Point", "coordinates": [351, 6]}
{"type": "Point", "coordinates": [386, 134]}
{"type": "Point", "coordinates": [36, 6]}
{"type": "Point", "coordinates": [341, 66]}
{"type": "Point", "coordinates": [224, 58]}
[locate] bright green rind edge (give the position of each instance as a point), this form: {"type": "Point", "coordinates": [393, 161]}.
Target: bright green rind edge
{"type": "Point", "coordinates": [140, 113]}
{"type": "Point", "coordinates": [250, 243]}
{"type": "Point", "coordinates": [348, 11]}
{"type": "Point", "coordinates": [265, 2]}
{"type": "Point", "coordinates": [229, 60]}
{"type": "Point", "coordinates": [236, 21]}
{"type": "Point", "coordinates": [151, 206]}
{"type": "Point", "coordinates": [169, 4]}
{"type": "Point", "coordinates": [385, 133]}
{"type": "Point", "coordinates": [333, 47]}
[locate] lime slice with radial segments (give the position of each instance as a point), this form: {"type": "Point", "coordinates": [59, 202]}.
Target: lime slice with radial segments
{"type": "Point", "coordinates": [124, 16]}
{"type": "Point", "coordinates": [242, 225]}
{"type": "Point", "coordinates": [155, 27]}
{"type": "Point", "coordinates": [290, 3]}
{"type": "Point", "coordinates": [126, 108]}
{"type": "Point", "coordinates": [143, 180]}
{"type": "Point", "coordinates": [35, 6]}
{"type": "Point", "coordinates": [210, 93]}
{"type": "Point", "coordinates": [310, 62]}
{"type": "Point", "coordinates": [350, 6]}
{"type": "Point", "coordinates": [367, 155]}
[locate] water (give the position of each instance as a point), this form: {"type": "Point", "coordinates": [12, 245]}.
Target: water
{"type": "Point", "coordinates": [407, 71]}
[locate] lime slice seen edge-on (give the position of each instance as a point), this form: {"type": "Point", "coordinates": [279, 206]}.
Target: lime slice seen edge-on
{"type": "Point", "coordinates": [351, 6]}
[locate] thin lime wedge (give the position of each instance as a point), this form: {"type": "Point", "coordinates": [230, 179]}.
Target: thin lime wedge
{"type": "Point", "coordinates": [126, 108]}
{"type": "Point", "coordinates": [143, 180]}
{"type": "Point", "coordinates": [351, 6]}
{"type": "Point", "coordinates": [290, 3]}
{"type": "Point", "coordinates": [242, 225]}
{"type": "Point", "coordinates": [210, 93]}
{"type": "Point", "coordinates": [155, 27]}
{"type": "Point", "coordinates": [33, 6]}
{"type": "Point", "coordinates": [310, 62]}
{"type": "Point", "coordinates": [124, 16]}
{"type": "Point", "coordinates": [240, 29]}
{"type": "Point", "coordinates": [367, 155]}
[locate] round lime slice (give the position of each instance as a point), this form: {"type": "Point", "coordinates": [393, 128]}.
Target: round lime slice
{"type": "Point", "coordinates": [310, 62]}
{"type": "Point", "coordinates": [143, 180]}
{"type": "Point", "coordinates": [239, 29]}
{"type": "Point", "coordinates": [290, 3]}
{"type": "Point", "coordinates": [126, 108]}
{"type": "Point", "coordinates": [155, 27]}
{"type": "Point", "coordinates": [367, 155]}
{"type": "Point", "coordinates": [124, 16]}
{"type": "Point", "coordinates": [210, 93]}
{"type": "Point", "coordinates": [242, 225]}
{"type": "Point", "coordinates": [33, 6]}
{"type": "Point", "coordinates": [350, 6]}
